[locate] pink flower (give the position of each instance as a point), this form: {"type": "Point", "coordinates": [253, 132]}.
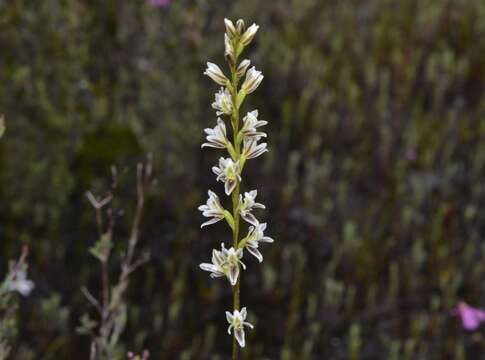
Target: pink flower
{"type": "Point", "coordinates": [160, 3]}
{"type": "Point", "coordinates": [470, 317]}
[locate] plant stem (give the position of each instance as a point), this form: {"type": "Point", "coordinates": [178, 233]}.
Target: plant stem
{"type": "Point", "coordinates": [235, 288]}
{"type": "Point", "coordinates": [235, 199]}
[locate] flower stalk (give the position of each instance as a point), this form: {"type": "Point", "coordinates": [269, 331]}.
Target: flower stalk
{"type": "Point", "coordinates": [242, 145]}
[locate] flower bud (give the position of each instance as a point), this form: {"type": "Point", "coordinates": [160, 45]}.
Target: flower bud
{"type": "Point", "coordinates": [230, 28]}
{"type": "Point", "coordinates": [229, 52]}
{"type": "Point", "coordinates": [242, 67]}
{"type": "Point", "coordinates": [252, 81]}
{"type": "Point", "coordinates": [249, 34]}
{"type": "Point", "coordinates": [215, 73]}
{"type": "Point", "coordinates": [223, 102]}
{"type": "Point", "coordinates": [240, 26]}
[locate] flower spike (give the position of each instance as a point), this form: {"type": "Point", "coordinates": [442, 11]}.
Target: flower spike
{"type": "Point", "coordinates": [242, 143]}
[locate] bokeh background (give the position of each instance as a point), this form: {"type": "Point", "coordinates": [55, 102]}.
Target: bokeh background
{"type": "Point", "coordinates": [374, 183]}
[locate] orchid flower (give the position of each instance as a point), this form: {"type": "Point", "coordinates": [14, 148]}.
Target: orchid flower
{"type": "Point", "coordinates": [237, 322]}
{"type": "Point", "coordinates": [228, 173]}
{"type": "Point", "coordinates": [212, 209]}
{"type": "Point", "coordinates": [254, 237]}
{"type": "Point", "coordinates": [247, 205]}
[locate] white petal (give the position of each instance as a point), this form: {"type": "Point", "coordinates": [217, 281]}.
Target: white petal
{"type": "Point", "coordinates": [229, 317]}
{"type": "Point", "coordinates": [248, 325]}
{"type": "Point", "coordinates": [229, 186]}
{"type": "Point", "coordinates": [233, 274]}
{"type": "Point", "coordinates": [239, 334]}
{"type": "Point", "coordinates": [257, 254]}
{"type": "Point", "coordinates": [267, 239]}
{"type": "Point", "coordinates": [213, 145]}
{"type": "Point", "coordinates": [250, 218]}
{"type": "Point", "coordinates": [208, 267]}
{"type": "Point", "coordinates": [230, 29]}
{"type": "Point", "coordinates": [210, 222]}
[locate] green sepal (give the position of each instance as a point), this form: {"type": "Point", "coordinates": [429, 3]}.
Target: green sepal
{"type": "Point", "coordinates": [239, 138]}
{"type": "Point", "coordinates": [239, 48]}
{"type": "Point", "coordinates": [229, 86]}
{"type": "Point", "coordinates": [242, 243]}
{"type": "Point", "coordinates": [102, 248]}
{"type": "Point", "coordinates": [229, 219]}
{"type": "Point", "coordinates": [242, 161]}
{"type": "Point", "coordinates": [231, 151]}
{"type": "Point", "coordinates": [240, 98]}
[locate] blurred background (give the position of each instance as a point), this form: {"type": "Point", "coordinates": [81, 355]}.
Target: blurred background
{"type": "Point", "coordinates": [374, 183]}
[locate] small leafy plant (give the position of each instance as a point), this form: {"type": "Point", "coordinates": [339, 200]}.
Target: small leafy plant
{"type": "Point", "coordinates": [15, 282]}
{"type": "Point", "coordinates": [111, 308]}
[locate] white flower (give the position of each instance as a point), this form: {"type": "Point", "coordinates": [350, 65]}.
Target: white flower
{"type": "Point", "coordinates": [254, 237]}
{"type": "Point", "coordinates": [247, 205]}
{"type": "Point", "coordinates": [215, 73]}
{"type": "Point", "coordinates": [216, 268]}
{"type": "Point", "coordinates": [249, 34]}
{"type": "Point", "coordinates": [20, 283]}
{"type": "Point", "coordinates": [228, 173]}
{"type": "Point", "coordinates": [251, 148]}
{"type": "Point", "coordinates": [233, 257]}
{"type": "Point", "coordinates": [212, 209]}
{"type": "Point", "coordinates": [223, 102]}
{"type": "Point", "coordinates": [236, 322]}
{"type": "Point", "coordinates": [251, 123]}
{"type": "Point", "coordinates": [242, 67]}
{"type": "Point", "coordinates": [252, 80]}
{"type": "Point", "coordinates": [225, 263]}
{"type": "Point", "coordinates": [216, 137]}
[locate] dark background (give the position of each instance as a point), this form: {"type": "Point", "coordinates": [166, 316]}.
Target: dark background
{"type": "Point", "coordinates": [374, 183]}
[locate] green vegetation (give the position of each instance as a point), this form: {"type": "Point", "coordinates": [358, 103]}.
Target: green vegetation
{"type": "Point", "coordinates": [374, 180]}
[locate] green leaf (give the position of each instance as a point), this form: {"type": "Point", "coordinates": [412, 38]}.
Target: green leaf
{"type": "Point", "coordinates": [102, 249]}
{"type": "Point", "coordinates": [86, 326]}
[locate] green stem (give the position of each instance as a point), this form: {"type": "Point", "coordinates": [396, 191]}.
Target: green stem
{"type": "Point", "coordinates": [235, 199]}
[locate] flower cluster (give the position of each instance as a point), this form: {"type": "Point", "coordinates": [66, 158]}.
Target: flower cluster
{"type": "Point", "coordinates": [242, 141]}
{"type": "Point", "coordinates": [16, 280]}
